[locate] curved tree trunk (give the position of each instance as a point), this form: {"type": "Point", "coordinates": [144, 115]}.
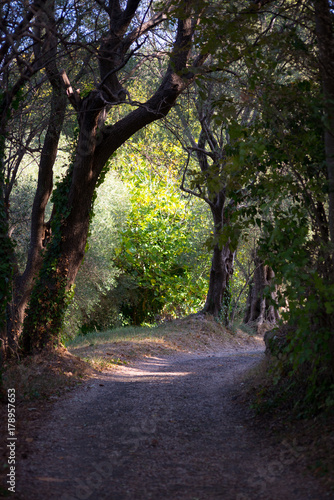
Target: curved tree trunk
{"type": "Point", "coordinates": [75, 195]}
{"type": "Point", "coordinates": [23, 284]}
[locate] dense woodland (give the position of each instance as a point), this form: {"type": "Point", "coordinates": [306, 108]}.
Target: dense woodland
{"type": "Point", "coordinates": [166, 158]}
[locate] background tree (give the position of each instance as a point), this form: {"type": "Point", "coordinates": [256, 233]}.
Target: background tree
{"type": "Point", "coordinates": [226, 103]}
{"type": "Point", "coordinates": [260, 309]}
{"type": "Point", "coordinates": [210, 184]}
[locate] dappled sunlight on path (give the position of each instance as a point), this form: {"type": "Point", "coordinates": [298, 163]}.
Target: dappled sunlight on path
{"type": "Point", "coordinates": [163, 429]}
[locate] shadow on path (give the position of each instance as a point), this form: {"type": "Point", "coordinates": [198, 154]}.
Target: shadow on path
{"type": "Point", "coordinates": [163, 429]}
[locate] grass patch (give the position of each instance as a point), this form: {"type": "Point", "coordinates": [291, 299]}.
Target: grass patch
{"type": "Point", "coordinates": [250, 329]}
{"type": "Point", "coordinates": [115, 335]}
{"type": "Point", "coordinates": [189, 335]}
{"type": "Point", "coordinates": [101, 363]}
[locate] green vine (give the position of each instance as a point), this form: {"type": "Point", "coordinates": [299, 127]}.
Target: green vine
{"type": "Point", "coordinates": [50, 297]}
{"type": "Point", "coordinates": [226, 305]}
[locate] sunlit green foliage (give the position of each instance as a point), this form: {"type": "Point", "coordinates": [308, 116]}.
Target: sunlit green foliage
{"type": "Point", "coordinates": [159, 251]}
{"type": "Point", "coordinates": [146, 258]}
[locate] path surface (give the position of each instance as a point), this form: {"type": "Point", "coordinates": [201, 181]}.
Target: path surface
{"type": "Point", "coordinates": [164, 429]}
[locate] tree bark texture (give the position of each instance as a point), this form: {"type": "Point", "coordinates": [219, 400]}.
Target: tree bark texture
{"type": "Point", "coordinates": [259, 309]}
{"type": "Point", "coordinates": [218, 297]}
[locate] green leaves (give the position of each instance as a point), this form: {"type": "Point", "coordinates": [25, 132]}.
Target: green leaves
{"type": "Point", "coordinates": [158, 250]}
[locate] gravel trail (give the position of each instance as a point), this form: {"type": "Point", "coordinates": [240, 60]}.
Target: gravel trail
{"type": "Point", "coordinates": [163, 429]}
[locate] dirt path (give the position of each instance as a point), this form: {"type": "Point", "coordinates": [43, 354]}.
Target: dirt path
{"type": "Point", "coordinates": [164, 429]}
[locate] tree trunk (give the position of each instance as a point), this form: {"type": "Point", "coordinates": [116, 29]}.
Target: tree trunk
{"type": "Point", "coordinates": [213, 192]}
{"type": "Point", "coordinates": [325, 38]}
{"type": "Point", "coordinates": [6, 262]}
{"type": "Point", "coordinates": [15, 32]}
{"type": "Point", "coordinates": [259, 307]}
{"type": "Point", "coordinates": [39, 233]}
{"type": "Point", "coordinates": [218, 297]}
{"type": "Point", "coordinates": [23, 284]}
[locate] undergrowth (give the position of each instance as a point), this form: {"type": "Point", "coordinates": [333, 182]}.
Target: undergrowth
{"type": "Point", "coordinates": [284, 403]}
{"type": "Point", "coordinates": [46, 375]}
{"type": "Point", "coordinates": [276, 388]}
